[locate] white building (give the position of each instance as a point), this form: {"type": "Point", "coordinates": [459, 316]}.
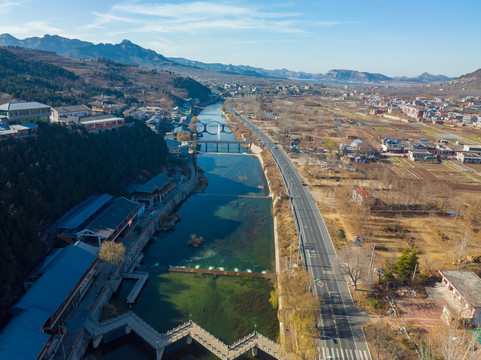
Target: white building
{"type": "Point", "coordinates": [25, 112]}
{"type": "Point", "coordinates": [66, 114]}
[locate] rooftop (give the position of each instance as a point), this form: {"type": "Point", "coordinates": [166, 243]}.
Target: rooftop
{"type": "Point", "coordinates": [22, 106]}
{"type": "Point", "coordinates": [82, 212]}
{"type": "Point", "coordinates": [157, 182]}
{"type": "Point", "coordinates": [60, 278]}
{"type": "Point", "coordinates": [23, 126]}
{"type": "Point", "coordinates": [71, 109]}
{"type": "Point", "coordinates": [27, 325]}
{"type": "Point", "coordinates": [467, 283]}
{"type": "Point", "coordinates": [99, 119]}
{"type": "Point", "coordinates": [112, 217]}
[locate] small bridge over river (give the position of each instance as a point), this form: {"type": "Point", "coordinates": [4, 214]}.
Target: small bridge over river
{"type": "Point", "coordinates": [230, 143]}
{"type": "Point", "coordinates": [189, 330]}
{"type": "Point", "coordinates": [223, 127]}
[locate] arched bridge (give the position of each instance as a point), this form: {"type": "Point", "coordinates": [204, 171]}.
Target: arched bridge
{"type": "Point", "coordinates": [189, 330]}
{"type": "Point", "coordinates": [202, 127]}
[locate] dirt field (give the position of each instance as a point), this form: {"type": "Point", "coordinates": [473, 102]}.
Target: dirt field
{"type": "Point", "coordinates": [415, 312]}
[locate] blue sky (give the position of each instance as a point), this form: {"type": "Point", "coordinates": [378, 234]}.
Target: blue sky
{"type": "Point", "coordinates": [390, 37]}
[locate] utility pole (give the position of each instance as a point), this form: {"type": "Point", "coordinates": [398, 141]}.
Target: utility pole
{"type": "Point", "coordinates": [369, 276]}
{"type": "Point", "coordinates": [334, 197]}
{"type": "Point", "coordinates": [414, 273]}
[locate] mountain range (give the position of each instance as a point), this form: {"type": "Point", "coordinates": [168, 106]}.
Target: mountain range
{"type": "Point", "coordinates": [129, 53]}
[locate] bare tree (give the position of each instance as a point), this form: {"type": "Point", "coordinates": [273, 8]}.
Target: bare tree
{"type": "Point", "coordinates": [353, 262]}
{"type": "Point", "coordinates": [112, 252]}
{"type": "Point", "coordinates": [463, 243]}
{"type": "Point", "coordinates": [457, 344]}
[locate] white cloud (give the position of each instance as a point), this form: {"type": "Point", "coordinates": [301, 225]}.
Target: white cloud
{"type": "Point", "coordinates": [102, 19]}
{"type": "Point", "coordinates": [32, 28]}
{"type": "Point", "coordinates": [9, 3]}
{"type": "Point", "coordinates": [197, 16]}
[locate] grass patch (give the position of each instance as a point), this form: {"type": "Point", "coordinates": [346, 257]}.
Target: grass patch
{"type": "Point", "coordinates": [429, 131]}
{"type": "Point", "coordinates": [379, 128]}
{"type": "Point", "coordinates": [227, 307]}
{"type": "Point", "coordinates": [473, 138]}
{"type": "Point", "coordinates": [397, 161]}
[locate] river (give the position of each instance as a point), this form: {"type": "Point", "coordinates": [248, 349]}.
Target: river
{"type": "Point", "coordinates": [233, 215]}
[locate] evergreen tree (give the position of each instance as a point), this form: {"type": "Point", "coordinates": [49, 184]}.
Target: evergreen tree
{"type": "Point", "coordinates": [405, 265]}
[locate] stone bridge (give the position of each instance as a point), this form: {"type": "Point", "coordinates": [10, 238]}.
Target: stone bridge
{"type": "Point", "coordinates": [202, 127]}
{"type": "Point", "coordinates": [189, 330]}
{"type": "Point", "coordinates": [237, 143]}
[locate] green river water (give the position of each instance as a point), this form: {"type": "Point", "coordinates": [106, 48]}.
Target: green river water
{"type": "Point", "coordinates": [233, 215]}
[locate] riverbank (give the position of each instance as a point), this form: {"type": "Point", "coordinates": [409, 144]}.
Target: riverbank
{"type": "Point", "coordinates": [298, 307]}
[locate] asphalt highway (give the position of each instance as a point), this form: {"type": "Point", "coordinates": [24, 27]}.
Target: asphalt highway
{"type": "Point", "coordinates": [340, 332]}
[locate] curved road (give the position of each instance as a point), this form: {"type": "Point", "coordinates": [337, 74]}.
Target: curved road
{"type": "Point", "coordinates": [341, 335]}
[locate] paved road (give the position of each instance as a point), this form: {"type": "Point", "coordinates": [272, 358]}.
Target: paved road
{"type": "Point", "coordinates": [341, 335]}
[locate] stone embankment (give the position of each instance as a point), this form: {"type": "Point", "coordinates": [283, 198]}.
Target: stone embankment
{"type": "Point", "coordinates": [257, 151]}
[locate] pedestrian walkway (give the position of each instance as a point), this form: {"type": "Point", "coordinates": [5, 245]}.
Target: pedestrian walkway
{"type": "Point", "coordinates": [189, 330]}
{"type": "Point", "coordinates": [344, 354]}
{"type": "Point", "coordinates": [141, 278]}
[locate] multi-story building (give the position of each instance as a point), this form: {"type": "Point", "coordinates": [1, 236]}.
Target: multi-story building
{"type": "Point", "coordinates": [25, 112]}
{"type": "Point", "coordinates": [468, 157]}
{"type": "Point", "coordinates": [66, 114]}
{"type": "Point", "coordinates": [101, 123]}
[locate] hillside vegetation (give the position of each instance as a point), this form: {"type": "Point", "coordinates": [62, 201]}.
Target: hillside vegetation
{"type": "Point", "coordinates": [34, 75]}
{"type": "Point", "coordinates": [41, 177]}
{"type": "Point", "coordinates": [40, 81]}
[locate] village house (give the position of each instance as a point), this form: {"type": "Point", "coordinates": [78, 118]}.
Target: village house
{"type": "Point", "coordinates": [390, 145]}
{"type": "Point", "coordinates": [362, 196]}
{"type": "Point", "coordinates": [468, 157]}
{"type": "Point", "coordinates": [361, 147]}
{"type": "Point", "coordinates": [420, 155]}
{"type": "Point", "coordinates": [465, 287]}
{"type": "Point", "coordinates": [153, 191]}
{"type": "Point", "coordinates": [177, 149]}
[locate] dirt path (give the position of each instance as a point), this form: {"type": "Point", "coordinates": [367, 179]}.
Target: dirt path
{"type": "Point", "coordinates": [433, 249]}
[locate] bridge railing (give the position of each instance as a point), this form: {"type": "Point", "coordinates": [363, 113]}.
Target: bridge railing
{"type": "Point", "coordinates": [178, 329]}
{"type": "Point", "coordinates": [202, 336]}
{"type": "Point", "coordinates": [242, 341]}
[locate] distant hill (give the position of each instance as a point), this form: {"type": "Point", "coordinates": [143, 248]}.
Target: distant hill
{"type": "Point", "coordinates": [126, 53]}
{"type": "Point", "coordinates": [424, 78]}
{"type": "Point", "coordinates": [248, 70]}
{"type": "Point", "coordinates": [129, 53]}
{"type": "Point", "coordinates": [473, 78]}
{"type": "Point", "coordinates": [54, 43]}
{"type": "Point", "coordinates": [355, 76]}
